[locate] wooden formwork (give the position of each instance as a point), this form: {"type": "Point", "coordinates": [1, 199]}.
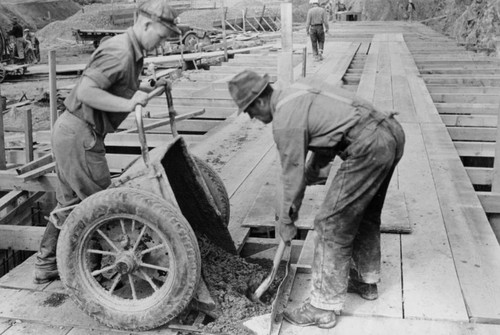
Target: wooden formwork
{"type": "Point", "coordinates": [440, 278]}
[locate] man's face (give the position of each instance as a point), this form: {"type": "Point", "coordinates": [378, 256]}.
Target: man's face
{"type": "Point", "coordinates": [156, 33]}
{"type": "Point", "coordinates": [260, 110]}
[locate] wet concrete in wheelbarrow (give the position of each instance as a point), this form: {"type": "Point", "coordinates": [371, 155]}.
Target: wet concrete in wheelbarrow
{"type": "Point", "coordinates": [231, 279]}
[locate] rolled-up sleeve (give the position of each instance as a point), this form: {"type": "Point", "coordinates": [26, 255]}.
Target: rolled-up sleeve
{"type": "Point", "coordinates": [104, 70]}
{"type": "Point", "coordinates": [292, 146]}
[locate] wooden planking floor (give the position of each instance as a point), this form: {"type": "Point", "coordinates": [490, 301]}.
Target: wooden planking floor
{"type": "Point", "coordinates": [423, 288]}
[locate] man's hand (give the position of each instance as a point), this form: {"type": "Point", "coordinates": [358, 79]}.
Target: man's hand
{"type": "Point", "coordinates": [139, 98]}
{"type": "Point", "coordinates": [163, 81]}
{"type": "Point", "coordinates": [287, 231]}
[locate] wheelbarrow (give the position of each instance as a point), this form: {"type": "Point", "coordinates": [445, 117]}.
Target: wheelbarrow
{"type": "Point", "coordinates": [128, 255]}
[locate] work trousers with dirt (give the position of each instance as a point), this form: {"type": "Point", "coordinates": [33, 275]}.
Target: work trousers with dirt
{"type": "Point", "coordinates": [317, 34]}
{"type": "Point", "coordinates": [348, 223]}
{"type": "Point", "coordinates": [82, 170]}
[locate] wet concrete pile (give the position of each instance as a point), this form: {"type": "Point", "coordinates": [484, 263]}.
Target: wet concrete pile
{"type": "Point", "coordinates": [230, 280]}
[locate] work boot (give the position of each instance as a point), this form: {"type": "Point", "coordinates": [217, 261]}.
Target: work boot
{"type": "Point", "coordinates": [308, 315]}
{"type": "Point", "coordinates": [45, 276]}
{"type": "Point", "coordinates": [366, 291]}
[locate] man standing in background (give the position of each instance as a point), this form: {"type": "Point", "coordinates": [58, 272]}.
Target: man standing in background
{"type": "Point", "coordinates": [17, 32]}
{"type": "Point", "coordinates": [316, 28]}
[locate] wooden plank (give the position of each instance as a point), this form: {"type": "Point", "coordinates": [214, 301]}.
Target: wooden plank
{"type": "Point", "coordinates": [464, 108]}
{"type": "Point", "coordinates": [389, 302]}
{"type": "Point", "coordinates": [36, 329]}
{"type": "Point", "coordinates": [160, 123]}
{"type": "Point", "coordinates": [9, 199]}
{"type": "Point", "coordinates": [475, 134]}
{"type": "Point", "coordinates": [490, 201]}
{"type": "Point", "coordinates": [480, 176]}
{"type": "Point", "coordinates": [465, 98]}
{"type": "Point", "coordinates": [54, 309]}
{"type": "Point", "coordinates": [38, 172]}
{"type": "Point", "coordinates": [430, 283]}
{"type": "Point", "coordinates": [20, 237]}
{"type": "Point", "coordinates": [23, 208]}
{"type": "Point", "coordinates": [475, 149]}
{"type": "Point", "coordinates": [476, 252]}
{"type": "Point", "coordinates": [35, 164]}
{"type": "Point", "coordinates": [348, 325]}
{"type": "Point", "coordinates": [470, 120]}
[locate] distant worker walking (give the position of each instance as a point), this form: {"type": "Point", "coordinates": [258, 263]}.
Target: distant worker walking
{"type": "Point", "coordinates": [316, 28]}
{"type": "Point", "coordinates": [329, 122]}
{"type": "Point", "coordinates": [411, 10]}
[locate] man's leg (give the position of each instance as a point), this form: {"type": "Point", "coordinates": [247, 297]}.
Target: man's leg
{"type": "Point", "coordinates": [321, 43]}
{"type": "Point", "coordinates": [370, 159]}
{"type": "Point", "coordinates": [365, 267]}
{"type": "Point", "coordinates": [314, 42]}
{"type": "Point", "coordinates": [82, 171]}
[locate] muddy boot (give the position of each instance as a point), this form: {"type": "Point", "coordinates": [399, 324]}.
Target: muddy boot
{"type": "Point", "coordinates": [366, 291]}
{"type": "Point", "coordinates": [308, 315]}
{"type": "Point", "coordinates": [45, 265]}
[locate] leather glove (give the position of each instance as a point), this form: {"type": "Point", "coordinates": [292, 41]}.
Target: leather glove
{"type": "Point", "coordinates": [287, 231]}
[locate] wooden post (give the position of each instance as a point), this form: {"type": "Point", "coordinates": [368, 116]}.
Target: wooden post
{"type": "Point", "coordinates": [285, 64]}
{"type": "Point", "coordinates": [28, 137]}
{"type": "Point", "coordinates": [3, 161]}
{"type": "Point", "coordinates": [52, 87]}
{"type": "Point", "coordinates": [244, 19]}
{"type": "Point", "coordinates": [224, 11]}
{"type": "Point", "coordinates": [304, 62]}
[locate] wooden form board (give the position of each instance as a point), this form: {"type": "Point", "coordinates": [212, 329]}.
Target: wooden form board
{"type": "Point", "coordinates": [390, 60]}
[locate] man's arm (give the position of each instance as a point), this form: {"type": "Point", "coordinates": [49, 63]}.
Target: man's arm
{"type": "Point", "coordinates": [308, 21]}
{"type": "Point", "coordinates": [91, 94]}
{"type": "Point", "coordinates": [325, 21]}
{"type": "Point", "coordinates": [292, 148]}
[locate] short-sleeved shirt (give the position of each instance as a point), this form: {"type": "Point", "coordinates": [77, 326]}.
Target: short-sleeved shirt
{"type": "Point", "coordinates": [115, 67]}
{"type": "Point", "coordinates": [308, 120]}
{"type": "Point", "coordinates": [316, 16]}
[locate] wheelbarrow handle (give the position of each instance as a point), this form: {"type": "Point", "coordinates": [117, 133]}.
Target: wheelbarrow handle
{"type": "Point", "coordinates": [140, 125]}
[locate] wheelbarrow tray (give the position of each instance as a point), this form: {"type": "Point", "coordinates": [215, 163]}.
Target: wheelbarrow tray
{"type": "Point", "coordinates": [173, 175]}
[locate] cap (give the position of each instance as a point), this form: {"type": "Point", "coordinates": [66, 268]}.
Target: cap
{"type": "Point", "coordinates": [160, 11]}
{"type": "Point", "coordinates": [245, 87]}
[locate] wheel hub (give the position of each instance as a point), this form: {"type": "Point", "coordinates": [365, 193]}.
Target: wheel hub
{"type": "Point", "coordinates": [126, 263]}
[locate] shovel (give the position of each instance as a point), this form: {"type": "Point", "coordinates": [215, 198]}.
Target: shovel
{"type": "Point", "coordinates": [255, 297]}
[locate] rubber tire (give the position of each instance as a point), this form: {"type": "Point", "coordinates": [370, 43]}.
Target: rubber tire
{"type": "Point", "coordinates": [190, 40]}
{"type": "Point", "coordinates": [216, 187]}
{"type": "Point", "coordinates": [3, 73]}
{"type": "Point", "coordinates": [182, 242]}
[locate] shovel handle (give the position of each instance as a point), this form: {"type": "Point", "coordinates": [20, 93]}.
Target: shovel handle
{"type": "Point", "coordinates": [269, 279]}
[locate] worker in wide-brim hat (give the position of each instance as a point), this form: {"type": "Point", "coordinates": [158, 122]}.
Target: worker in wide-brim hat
{"type": "Point", "coordinates": [314, 117]}
{"type": "Point", "coordinates": [106, 93]}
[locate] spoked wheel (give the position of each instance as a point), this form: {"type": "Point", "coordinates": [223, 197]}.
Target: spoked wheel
{"type": "Point", "coordinates": [3, 73]}
{"type": "Point", "coordinates": [216, 187]}
{"type": "Point", "coordinates": [191, 40]}
{"type": "Point", "coordinates": [129, 259]}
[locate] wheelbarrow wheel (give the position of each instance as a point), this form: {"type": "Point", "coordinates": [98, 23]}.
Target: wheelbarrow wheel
{"type": "Point", "coordinates": [216, 187]}
{"type": "Point", "coordinates": [129, 259]}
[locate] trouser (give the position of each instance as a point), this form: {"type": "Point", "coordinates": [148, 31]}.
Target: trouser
{"type": "Point", "coordinates": [82, 170]}
{"type": "Point", "coordinates": [348, 222]}
{"type": "Point", "coordinates": [20, 47]}
{"type": "Point", "coordinates": [317, 35]}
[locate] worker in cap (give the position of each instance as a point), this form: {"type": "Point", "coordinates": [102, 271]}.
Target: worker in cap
{"type": "Point", "coordinates": [316, 28]}
{"type": "Point", "coordinates": [314, 119]}
{"type": "Point", "coordinates": [106, 93]}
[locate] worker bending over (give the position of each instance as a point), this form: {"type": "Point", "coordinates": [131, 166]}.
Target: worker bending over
{"type": "Point", "coordinates": [104, 96]}
{"type": "Point", "coordinates": [316, 28]}
{"type": "Point", "coordinates": [329, 122]}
